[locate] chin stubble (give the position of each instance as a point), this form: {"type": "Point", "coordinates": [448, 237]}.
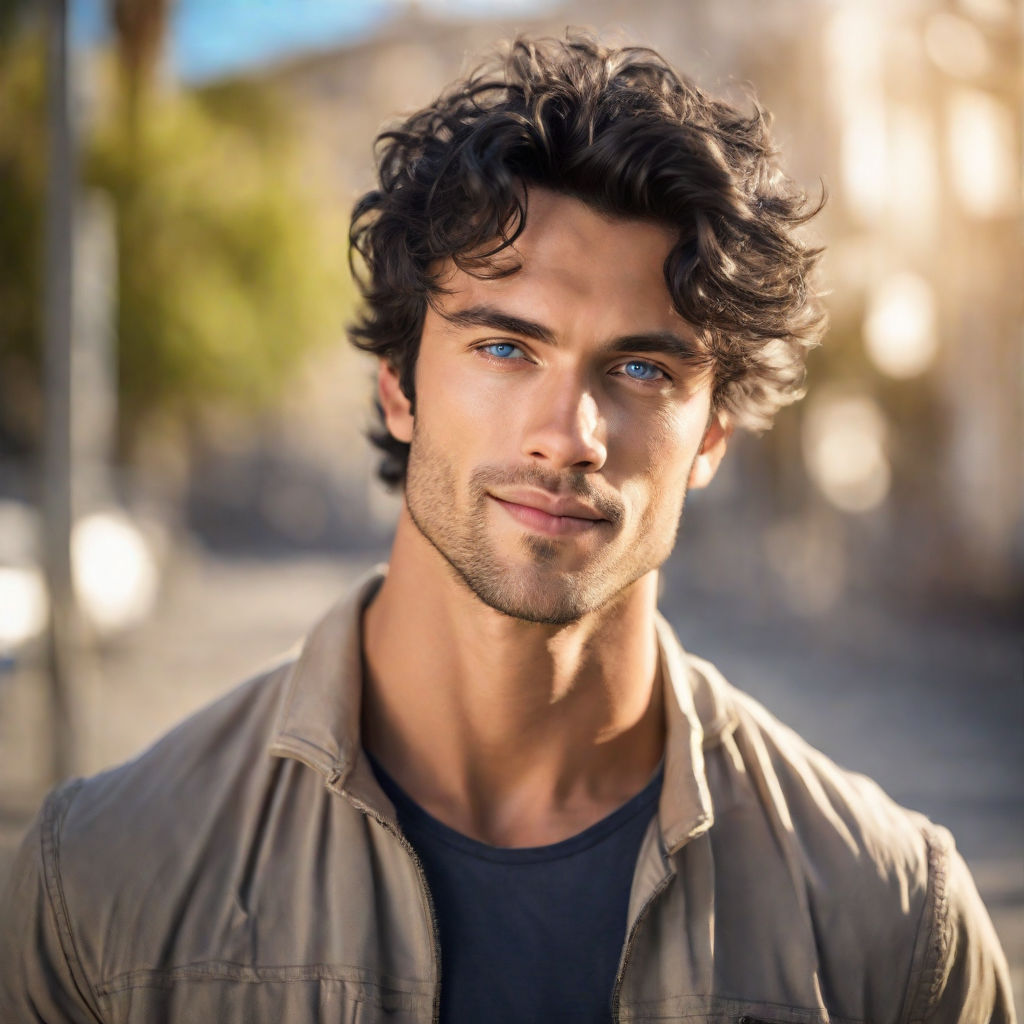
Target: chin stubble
{"type": "Point", "coordinates": [561, 598]}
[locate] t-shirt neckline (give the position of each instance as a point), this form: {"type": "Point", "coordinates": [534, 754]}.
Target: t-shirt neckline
{"type": "Point", "coordinates": [415, 821]}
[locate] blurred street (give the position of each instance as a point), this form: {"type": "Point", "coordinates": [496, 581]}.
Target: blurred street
{"type": "Point", "coordinates": [932, 707]}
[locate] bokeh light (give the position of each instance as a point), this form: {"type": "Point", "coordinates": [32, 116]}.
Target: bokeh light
{"type": "Point", "coordinates": [900, 326]}
{"type": "Point", "coordinates": [23, 605]}
{"type": "Point", "coordinates": [912, 174]}
{"type": "Point", "coordinates": [115, 572]}
{"type": "Point", "coordinates": [844, 447]}
{"type": "Point", "coordinates": [853, 45]}
{"type": "Point", "coordinates": [981, 152]}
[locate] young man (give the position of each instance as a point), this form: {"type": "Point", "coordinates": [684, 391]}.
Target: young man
{"type": "Point", "coordinates": [492, 787]}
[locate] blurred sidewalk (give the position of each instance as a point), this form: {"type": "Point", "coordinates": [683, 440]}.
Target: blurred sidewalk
{"type": "Point", "coordinates": [931, 707]}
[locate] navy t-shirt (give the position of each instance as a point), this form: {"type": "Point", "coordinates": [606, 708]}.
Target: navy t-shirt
{"type": "Point", "coordinates": [530, 934]}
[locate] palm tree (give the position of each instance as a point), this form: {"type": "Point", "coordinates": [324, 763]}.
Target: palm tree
{"type": "Point", "coordinates": [140, 32]}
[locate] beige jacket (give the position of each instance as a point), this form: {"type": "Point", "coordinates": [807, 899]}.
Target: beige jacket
{"type": "Point", "coordinates": [249, 868]}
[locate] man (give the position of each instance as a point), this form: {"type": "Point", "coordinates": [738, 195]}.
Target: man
{"type": "Point", "coordinates": [492, 787]}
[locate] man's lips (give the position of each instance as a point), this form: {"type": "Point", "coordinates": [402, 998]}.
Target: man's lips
{"type": "Point", "coordinates": [551, 515]}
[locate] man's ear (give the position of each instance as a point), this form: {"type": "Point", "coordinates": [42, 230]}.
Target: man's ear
{"type": "Point", "coordinates": [397, 408]}
{"type": "Point", "coordinates": [712, 448]}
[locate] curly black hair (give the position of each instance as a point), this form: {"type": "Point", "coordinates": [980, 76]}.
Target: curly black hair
{"type": "Point", "coordinates": [620, 130]}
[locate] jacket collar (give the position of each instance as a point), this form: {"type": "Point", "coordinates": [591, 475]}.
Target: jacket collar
{"type": "Point", "coordinates": [318, 722]}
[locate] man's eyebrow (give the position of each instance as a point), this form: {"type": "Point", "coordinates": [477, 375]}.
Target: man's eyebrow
{"type": "Point", "coordinates": [678, 346]}
{"type": "Point", "coordinates": [488, 316]}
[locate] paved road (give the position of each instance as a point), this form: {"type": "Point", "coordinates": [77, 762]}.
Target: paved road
{"type": "Point", "coordinates": [931, 706]}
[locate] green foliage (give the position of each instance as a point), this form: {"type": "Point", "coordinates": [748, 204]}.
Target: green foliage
{"type": "Point", "coordinates": [22, 183]}
{"type": "Point", "coordinates": [225, 280]}
{"type": "Point", "coordinates": [228, 272]}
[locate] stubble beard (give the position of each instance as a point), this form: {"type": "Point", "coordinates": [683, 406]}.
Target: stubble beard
{"type": "Point", "coordinates": [538, 591]}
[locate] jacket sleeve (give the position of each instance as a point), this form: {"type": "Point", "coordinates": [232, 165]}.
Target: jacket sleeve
{"type": "Point", "coordinates": [41, 979]}
{"type": "Point", "coordinates": [961, 974]}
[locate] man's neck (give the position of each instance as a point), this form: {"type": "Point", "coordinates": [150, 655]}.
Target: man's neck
{"type": "Point", "coordinates": [512, 732]}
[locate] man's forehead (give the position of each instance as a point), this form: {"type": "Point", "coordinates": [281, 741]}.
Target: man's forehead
{"type": "Point", "coordinates": [569, 249]}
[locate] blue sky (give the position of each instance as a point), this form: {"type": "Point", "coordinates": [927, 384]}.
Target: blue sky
{"type": "Point", "coordinates": [210, 38]}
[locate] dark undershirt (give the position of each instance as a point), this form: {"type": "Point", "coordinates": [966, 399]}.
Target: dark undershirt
{"type": "Point", "coordinates": [529, 934]}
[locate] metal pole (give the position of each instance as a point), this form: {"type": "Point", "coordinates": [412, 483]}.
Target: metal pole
{"type": "Point", "coordinates": [57, 492]}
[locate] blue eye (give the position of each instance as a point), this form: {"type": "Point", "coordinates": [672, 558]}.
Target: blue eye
{"type": "Point", "coordinates": [501, 349]}
{"type": "Point", "coordinates": [638, 369]}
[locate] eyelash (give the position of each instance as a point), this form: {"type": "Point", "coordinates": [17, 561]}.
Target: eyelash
{"type": "Point", "coordinates": [662, 379]}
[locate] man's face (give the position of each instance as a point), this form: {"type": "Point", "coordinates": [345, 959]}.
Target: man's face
{"type": "Point", "coordinates": [560, 414]}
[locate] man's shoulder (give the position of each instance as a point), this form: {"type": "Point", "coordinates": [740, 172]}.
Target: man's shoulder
{"type": "Point", "coordinates": [126, 822]}
{"type": "Point", "coordinates": [864, 871]}
{"type": "Point", "coordinates": [227, 737]}
{"type": "Point", "coordinates": [182, 828]}
{"type": "Point", "coordinates": [809, 794]}
{"type": "Point", "coordinates": [112, 860]}
{"type": "Point", "coordinates": [880, 889]}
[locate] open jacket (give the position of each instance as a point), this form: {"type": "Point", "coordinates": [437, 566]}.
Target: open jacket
{"type": "Point", "coordinates": [248, 867]}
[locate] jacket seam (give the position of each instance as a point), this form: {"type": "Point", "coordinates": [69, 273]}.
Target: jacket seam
{"type": "Point", "coordinates": [940, 937]}
{"type": "Point", "coordinates": [229, 970]}
{"type": "Point", "coordinates": [297, 747]}
{"type": "Point", "coordinates": [658, 1009]}
{"type": "Point", "coordinates": [236, 971]}
{"type": "Point", "coordinates": [925, 985]}
{"type": "Point", "coordinates": [56, 808]}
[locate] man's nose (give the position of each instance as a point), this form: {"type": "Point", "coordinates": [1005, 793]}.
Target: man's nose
{"type": "Point", "coordinates": [564, 427]}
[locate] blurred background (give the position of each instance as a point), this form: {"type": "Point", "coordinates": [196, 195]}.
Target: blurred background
{"type": "Point", "coordinates": [184, 483]}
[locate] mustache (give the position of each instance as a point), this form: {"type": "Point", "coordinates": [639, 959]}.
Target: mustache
{"type": "Point", "coordinates": [578, 484]}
